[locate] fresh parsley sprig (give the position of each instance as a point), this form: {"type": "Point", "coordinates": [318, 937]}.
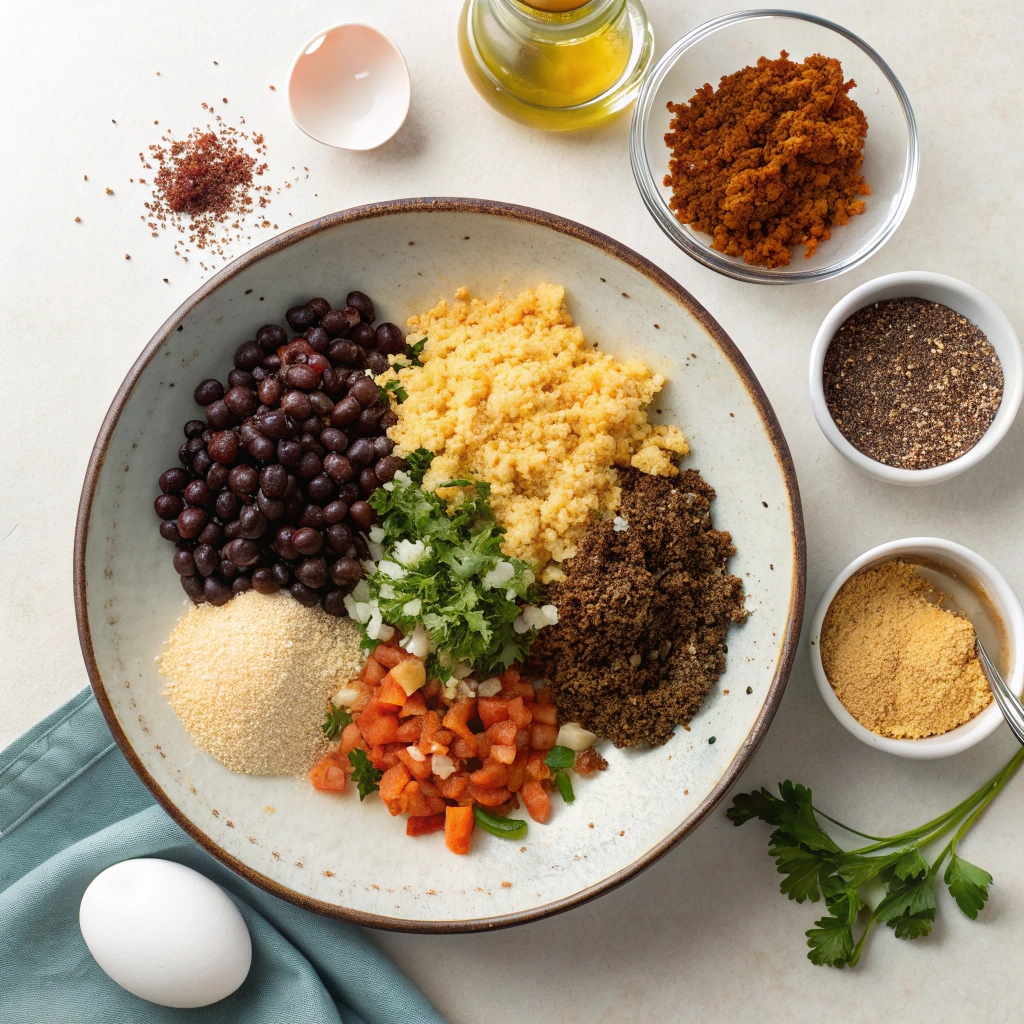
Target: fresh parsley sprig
{"type": "Point", "coordinates": [816, 868]}
{"type": "Point", "coordinates": [365, 775]}
{"type": "Point", "coordinates": [335, 719]}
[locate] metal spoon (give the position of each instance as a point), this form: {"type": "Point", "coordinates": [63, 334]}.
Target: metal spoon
{"type": "Point", "coordinates": [1009, 704]}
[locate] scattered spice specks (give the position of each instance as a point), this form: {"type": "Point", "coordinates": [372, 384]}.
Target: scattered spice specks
{"type": "Point", "coordinates": [78, 220]}
{"type": "Point", "coordinates": [110, 191]}
{"type": "Point", "coordinates": [750, 689]}
{"type": "Point", "coordinates": [711, 739]}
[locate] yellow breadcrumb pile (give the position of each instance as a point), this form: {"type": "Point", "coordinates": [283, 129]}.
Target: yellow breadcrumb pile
{"type": "Point", "coordinates": [510, 392]}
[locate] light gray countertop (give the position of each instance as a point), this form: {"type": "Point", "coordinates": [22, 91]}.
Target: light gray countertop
{"type": "Point", "coordinates": [704, 934]}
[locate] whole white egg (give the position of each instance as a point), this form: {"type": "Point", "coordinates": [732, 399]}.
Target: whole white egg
{"type": "Point", "coordinates": [165, 933]}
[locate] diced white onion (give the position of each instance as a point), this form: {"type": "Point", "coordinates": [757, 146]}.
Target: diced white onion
{"type": "Point", "coordinates": [392, 569]}
{"type": "Point", "coordinates": [376, 552]}
{"type": "Point", "coordinates": [417, 642]}
{"type": "Point", "coordinates": [462, 669]}
{"type": "Point", "coordinates": [464, 689]}
{"type": "Point", "coordinates": [416, 754]}
{"type": "Point", "coordinates": [550, 614]}
{"type": "Point", "coordinates": [361, 591]}
{"type": "Point", "coordinates": [402, 477]}
{"type": "Point", "coordinates": [412, 608]}
{"type": "Point", "coordinates": [441, 765]}
{"type": "Point", "coordinates": [386, 591]}
{"type": "Point", "coordinates": [385, 632]}
{"type": "Point", "coordinates": [346, 696]}
{"type": "Point", "coordinates": [409, 552]}
{"type": "Point", "coordinates": [574, 736]}
{"type": "Point", "coordinates": [619, 525]}
{"type": "Point", "coordinates": [500, 575]}
{"type": "Point", "coordinates": [377, 534]}
{"type": "Point", "coordinates": [489, 687]}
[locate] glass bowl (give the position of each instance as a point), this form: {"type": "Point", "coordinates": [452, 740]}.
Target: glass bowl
{"type": "Point", "coordinates": [723, 46]}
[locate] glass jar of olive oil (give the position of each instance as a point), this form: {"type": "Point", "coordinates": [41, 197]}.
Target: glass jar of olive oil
{"type": "Point", "coordinates": [556, 64]}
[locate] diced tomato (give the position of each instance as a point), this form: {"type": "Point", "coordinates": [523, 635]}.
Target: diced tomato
{"type": "Point", "coordinates": [453, 787]}
{"type": "Point", "coordinates": [535, 766]}
{"type": "Point", "coordinates": [410, 729]}
{"type": "Point", "coordinates": [510, 675]}
{"type": "Point", "coordinates": [519, 712]}
{"type": "Point", "coordinates": [458, 828]}
{"type": "Point", "coordinates": [503, 732]}
{"type": "Point", "coordinates": [425, 825]}
{"type": "Point", "coordinates": [381, 730]}
{"type": "Point", "coordinates": [492, 774]}
{"type": "Point", "coordinates": [463, 748]}
{"type": "Point", "coordinates": [545, 695]}
{"type": "Point", "coordinates": [328, 774]}
{"type": "Point", "coordinates": [538, 803]}
{"type": "Point", "coordinates": [391, 693]}
{"type": "Point", "coordinates": [543, 736]}
{"type": "Point", "coordinates": [503, 753]}
{"type": "Point", "coordinates": [414, 705]}
{"type": "Point", "coordinates": [483, 745]}
{"type": "Point", "coordinates": [486, 797]}
{"type": "Point", "coordinates": [428, 788]}
{"type": "Point", "coordinates": [351, 738]}
{"type": "Point", "coordinates": [385, 757]}
{"type": "Point", "coordinates": [546, 713]}
{"type": "Point", "coordinates": [458, 718]}
{"type": "Point", "coordinates": [417, 769]}
{"type": "Point", "coordinates": [417, 805]}
{"type": "Point", "coordinates": [492, 709]}
{"type": "Point", "coordinates": [389, 657]}
{"type": "Point", "coordinates": [373, 672]}
{"type": "Point", "coordinates": [516, 773]}
{"type": "Point", "coordinates": [392, 787]}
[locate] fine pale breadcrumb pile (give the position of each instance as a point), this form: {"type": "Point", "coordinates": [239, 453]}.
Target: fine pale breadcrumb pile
{"type": "Point", "coordinates": [902, 666]}
{"type": "Point", "coordinates": [510, 392]}
{"type": "Point", "coordinates": [250, 680]}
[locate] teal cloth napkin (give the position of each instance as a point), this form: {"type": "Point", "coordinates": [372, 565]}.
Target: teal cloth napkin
{"type": "Point", "coordinates": [69, 807]}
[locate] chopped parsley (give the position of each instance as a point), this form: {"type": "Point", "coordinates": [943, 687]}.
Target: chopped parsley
{"type": "Point", "coordinates": [393, 387]}
{"type": "Point", "coordinates": [560, 759]}
{"type": "Point", "coordinates": [444, 568]}
{"type": "Point", "coordinates": [365, 775]}
{"type": "Point", "coordinates": [334, 721]}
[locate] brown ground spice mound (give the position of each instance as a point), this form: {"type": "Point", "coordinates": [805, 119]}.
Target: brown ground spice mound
{"type": "Point", "coordinates": [770, 159]}
{"type": "Point", "coordinates": [643, 613]}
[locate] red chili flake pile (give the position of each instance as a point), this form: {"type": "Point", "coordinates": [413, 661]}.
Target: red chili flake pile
{"type": "Point", "coordinates": [205, 185]}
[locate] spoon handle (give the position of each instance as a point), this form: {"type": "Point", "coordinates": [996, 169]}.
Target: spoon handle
{"type": "Point", "coordinates": [1009, 704]}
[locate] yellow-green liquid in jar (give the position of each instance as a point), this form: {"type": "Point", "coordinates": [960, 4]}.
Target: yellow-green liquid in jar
{"type": "Point", "coordinates": [555, 68]}
{"type": "Point", "coordinates": [564, 74]}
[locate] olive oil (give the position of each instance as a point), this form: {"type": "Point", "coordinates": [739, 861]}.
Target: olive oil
{"type": "Point", "coordinates": [556, 69]}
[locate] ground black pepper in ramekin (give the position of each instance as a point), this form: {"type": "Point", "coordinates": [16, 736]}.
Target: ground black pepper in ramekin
{"type": "Point", "coordinates": [912, 383]}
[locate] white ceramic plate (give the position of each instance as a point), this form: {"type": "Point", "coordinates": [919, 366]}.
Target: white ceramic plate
{"type": "Point", "coordinates": [330, 853]}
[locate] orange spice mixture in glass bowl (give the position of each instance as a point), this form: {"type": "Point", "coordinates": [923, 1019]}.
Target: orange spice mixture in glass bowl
{"type": "Point", "coordinates": [832, 233]}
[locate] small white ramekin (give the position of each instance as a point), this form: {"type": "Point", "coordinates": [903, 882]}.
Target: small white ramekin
{"type": "Point", "coordinates": [968, 302]}
{"type": "Point", "coordinates": [983, 577]}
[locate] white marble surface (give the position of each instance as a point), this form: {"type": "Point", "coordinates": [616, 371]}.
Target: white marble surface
{"type": "Point", "coordinates": [703, 934]}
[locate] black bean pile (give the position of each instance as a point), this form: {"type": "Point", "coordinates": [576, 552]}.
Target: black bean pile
{"type": "Point", "coordinates": [274, 482]}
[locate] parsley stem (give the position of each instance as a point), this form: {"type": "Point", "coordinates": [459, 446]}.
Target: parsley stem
{"type": "Point", "coordinates": [995, 786]}
{"type": "Point", "coordinates": [938, 827]}
{"type": "Point", "coordinates": [855, 955]}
